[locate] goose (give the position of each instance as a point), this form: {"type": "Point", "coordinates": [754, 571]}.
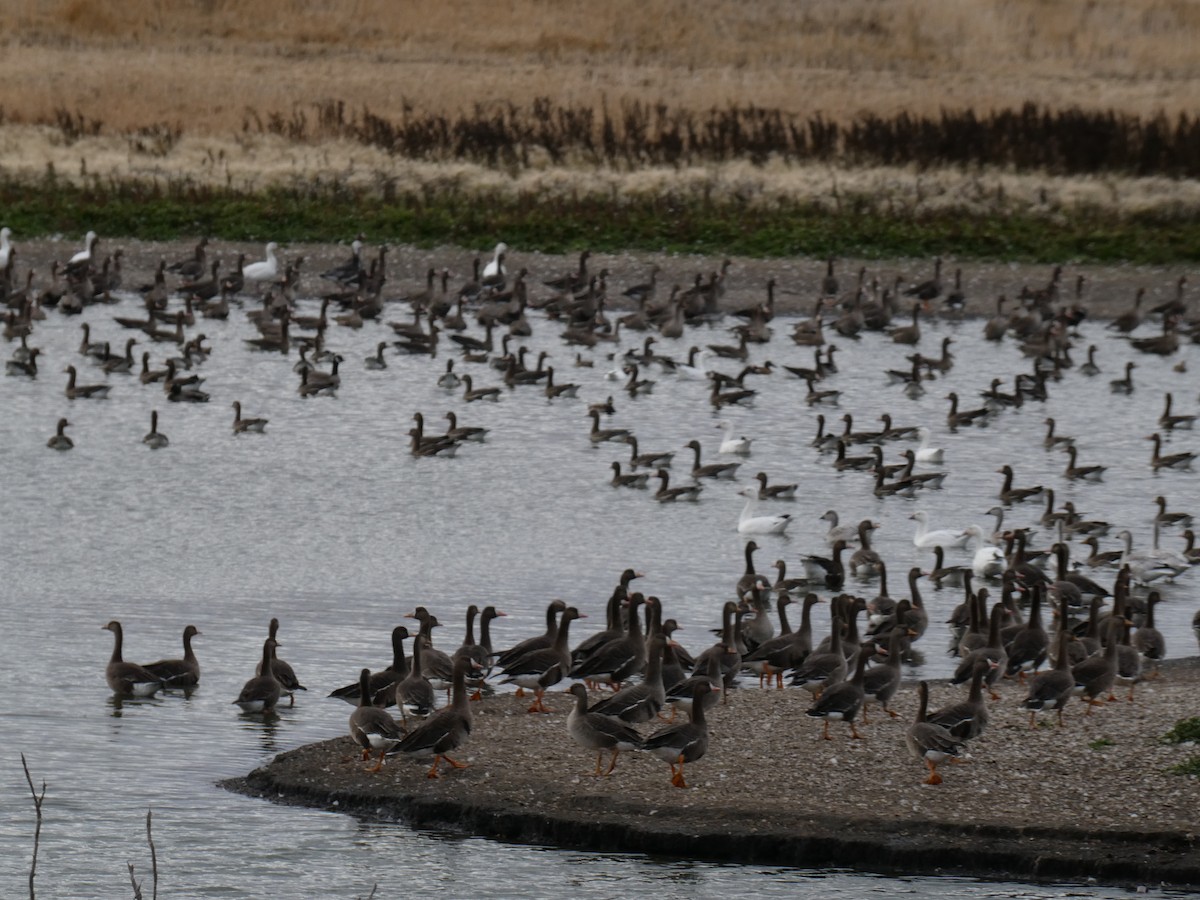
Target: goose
{"type": "Point", "coordinates": [680, 744]}
{"type": "Point", "coordinates": [125, 678]}
{"type": "Point", "coordinates": [1090, 368]}
{"type": "Point", "coordinates": [924, 539]}
{"type": "Point", "coordinates": [458, 432]}
{"type": "Point", "coordinates": [926, 453]}
{"type": "Point", "coordinates": [261, 693]}
{"type": "Point", "coordinates": [446, 730]}
{"type": "Point", "coordinates": [710, 470]}
{"type": "Point", "coordinates": [1051, 690]}
{"type": "Point", "coordinates": [640, 702]}
{"type": "Point", "coordinates": [448, 379]}
{"type": "Point", "coordinates": [281, 669]}
{"type": "Point", "coordinates": [1171, 422]}
{"type": "Point", "coordinates": [1096, 674]}
{"type": "Point", "coordinates": [1054, 441]}
{"type": "Point", "coordinates": [381, 685]}
{"type": "Point", "coordinates": [415, 695]}
{"type": "Point", "coordinates": [1028, 646]}
{"type": "Point", "coordinates": [540, 669]}
{"type": "Point", "coordinates": [372, 728]}
{"type": "Point", "coordinates": [748, 523]}
{"type": "Point", "coordinates": [824, 441]}
{"type": "Point", "coordinates": [842, 461]}
{"type": "Point", "coordinates": [81, 260]}
{"type": "Point", "coordinates": [881, 683]}
{"type": "Point", "coordinates": [472, 393]}
{"type": "Point", "coordinates": [6, 246]}
{"type": "Point", "coordinates": [992, 655]}
{"type": "Point", "coordinates": [84, 391]}
{"type": "Point", "coordinates": [774, 491]}
{"type": "Point", "coordinates": [599, 435]}
{"type": "Point", "coordinates": [738, 396]}
{"type": "Point", "coordinates": [376, 362]}
{"type": "Point", "coordinates": [1182, 460]}
{"type": "Point", "coordinates": [822, 669]}
{"type": "Point", "coordinates": [829, 572]}
{"type": "Point", "coordinates": [815, 397]}
{"type": "Point", "coordinates": [595, 731]}
{"type": "Point", "coordinates": [1148, 640]}
{"type": "Point", "coordinates": [928, 742]}
{"type": "Point", "coordinates": [1149, 566]}
{"type": "Point", "coordinates": [246, 425]}
{"type": "Point", "coordinates": [865, 562]}
{"type": "Point", "coordinates": [731, 444]}
{"type": "Point", "coordinates": [941, 574]}
{"type": "Point", "coordinates": [667, 494]}
{"type": "Point", "coordinates": [154, 439]}
{"type": "Point", "coordinates": [836, 532]}
{"type": "Point", "coordinates": [652, 460]}
{"type": "Point", "coordinates": [1166, 519]}
{"type": "Point", "coordinates": [60, 441]}
{"type": "Point", "coordinates": [1010, 494]}
{"type": "Point", "coordinates": [908, 334]}
{"type": "Point", "coordinates": [628, 479]}
{"type": "Point", "coordinates": [694, 369]}
{"type": "Point", "coordinates": [1131, 319]}
{"type": "Point", "coordinates": [264, 270]}
{"type": "Point", "coordinates": [1123, 385]}
{"type": "Point", "coordinates": [554, 391]}
{"type": "Point", "coordinates": [956, 418]}
{"type": "Point", "coordinates": [988, 561]}
{"type": "Point", "coordinates": [844, 700]}
{"type": "Point", "coordinates": [183, 672]}
{"type": "Point", "coordinates": [1082, 473]}
{"type": "Point", "coordinates": [495, 271]}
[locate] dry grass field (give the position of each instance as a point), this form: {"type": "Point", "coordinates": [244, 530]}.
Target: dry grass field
{"type": "Point", "coordinates": [154, 89]}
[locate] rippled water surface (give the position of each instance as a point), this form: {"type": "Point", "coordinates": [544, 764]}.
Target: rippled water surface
{"type": "Point", "coordinates": [328, 523]}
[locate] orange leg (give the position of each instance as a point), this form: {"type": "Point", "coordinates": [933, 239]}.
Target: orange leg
{"type": "Point", "coordinates": [599, 758]}
{"type": "Point", "coordinates": [433, 770]}
{"type": "Point", "coordinates": [854, 732]}
{"type": "Point", "coordinates": [379, 765]}
{"type": "Point", "coordinates": [520, 691]}
{"type": "Point", "coordinates": [826, 734]}
{"type": "Point", "coordinates": [366, 754]}
{"type": "Point", "coordinates": [779, 680]}
{"type": "Point", "coordinates": [864, 717]}
{"type": "Point", "coordinates": [455, 763]}
{"type": "Point", "coordinates": [993, 694]}
{"type": "Point", "coordinates": [934, 777]}
{"type": "Point", "coordinates": [612, 765]}
{"type": "Point", "coordinates": [478, 695]}
{"type": "Point", "coordinates": [538, 706]}
{"type": "Point", "coordinates": [1032, 719]}
{"type": "Point", "coordinates": [890, 712]}
{"type": "Point", "coordinates": [677, 776]}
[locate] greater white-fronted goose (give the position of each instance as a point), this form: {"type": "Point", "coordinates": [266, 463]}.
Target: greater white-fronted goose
{"type": "Point", "coordinates": [619, 658]}
{"type": "Point", "coordinates": [125, 678]}
{"type": "Point", "coordinates": [415, 695]}
{"type": "Point", "coordinates": [1181, 460]}
{"type": "Point", "coordinates": [823, 668]}
{"type": "Point", "coordinates": [539, 642]}
{"type": "Point", "coordinates": [184, 672]}
{"type": "Point", "coordinates": [154, 439]}
{"type": "Point", "coordinates": [595, 731]}
{"type": "Point", "coordinates": [932, 744]}
{"type": "Point", "coordinates": [1170, 422]}
{"type": "Point", "coordinates": [1168, 519]}
{"type": "Point", "coordinates": [1148, 640]}
{"type": "Point", "coordinates": [281, 669]}
{"type": "Point", "coordinates": [727, 470]}
{"type": "Point", "coordinates": [60, 441]}
{"type": "Point", "coordinates": [1027, 650]}
{"type": "Point", "coordinates": [829, 571]}
{"type": "Point", "coordinates": [262, 692]}
{"type": "Point", "coordinates": [371, 727]}
{"type": "Point", "coordinates": [382, 684]}
{"type": "Point", "coordinates": [768, 491]}
{"type": "Point", "coordinates": [652, 460]}
{"type": "Point", "coordinates": [844, 700]}
{"type": "Point", "coordinates": [245, 424]}
{"type": "Point", "coordinates": [992, 655]}
{"type": "Point", "coordinates": [447, 729]}
{"type": "Point", "coordinates": [1082, 473]}
{"type": "Point", "coordinates": [1054, 441]}
{"type": "Point", "coordinates": [668, 494]}
{"type": "Point", "coordinates": [967, 719]}
{"type": "Point", "coordinates": [542, 669]}
{"type": "Point", "coordinates": [437, 665]}
{"type": "Point", "coordinates": [862, 463]}
{"type": "Point", "coordinates": [84, 391]}
{"type": "Point", "coordinates": [628, 479]}
{"type": "Point", "coordinates": [680, 744]}
{"type": "Point", "coordinates": [1010, 494]}
{"type": "Point", "coordinates": [472, 393]}
{"type": "Point", "coordinates": [458, 432]}
{"type": "Point", "coordinates": [1096, 674]}
{"type": "Point", "coordinates": [377, 362]}
{"type": "Point", "coordinates": [599, 435]}
{"type": "Point", "coordinates": [725, 650]}
{"type": "Point", "coordinates": [1051, 690]}
{"type": "Point", "coordinates": [640, 702]}
{"type": "Point", "coordinates": [865, 562]}
{"type": "Point", "coordinates": [1123, 385]}
{"type": "Point", "coordinates": [1129, 320]}
{"type": "Point", "coordinates": [883, 680]}
{"type": "Point", "coordinates": [957, 418]}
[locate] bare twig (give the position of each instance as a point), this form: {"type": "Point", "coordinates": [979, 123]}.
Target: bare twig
{"type": "Point", "coordinates": [153, 857]}
{"type": "Point", "coordinates": [374, 888]}
{"type": "Point", "coordinates": [137, 888]}
{"type": "Point", "coordinates": [37, 831]}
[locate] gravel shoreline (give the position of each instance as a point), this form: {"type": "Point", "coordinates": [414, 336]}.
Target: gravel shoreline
{"type": "Point", "coordinates": [1091, 800]}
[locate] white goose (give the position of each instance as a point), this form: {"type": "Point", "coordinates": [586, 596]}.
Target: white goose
{"type": "Point", "coordinates": [84, 256]}
{"type": "Point", "coordinates": [1150, 565]}
{"type": "Point", "coordinates": [5, 246]}
{"type": "Point", "coordinates": [748, 523]}
{"type": "Point", "coordinates": [265, 269]}
{"type": "Point", "coordinates": [926, 453]}
{"type": "Point", "coordinates": [988, 561]}
{"type": "Point", "coordinates": [944, 538]}
{"type": "Point", "coordinates": [733, 444]}
{"type": "Point", "coordinates": [694, 369]}
{"type": "Point", "coordinates": [495, 270]}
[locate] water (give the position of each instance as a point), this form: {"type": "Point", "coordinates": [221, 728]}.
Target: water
{"type": "Point", "coordinates": [328, 523]}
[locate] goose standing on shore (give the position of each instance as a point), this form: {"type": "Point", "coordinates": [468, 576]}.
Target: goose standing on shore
{"type": "Point", "coordinates": [371, 727]}
{"type": "Point", "coordinates": [448, 728]}
{"type": "Point", "coordinates": [928, 742]}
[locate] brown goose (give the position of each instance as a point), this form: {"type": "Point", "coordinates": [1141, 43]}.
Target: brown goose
{"type": "Point", "coordinates": [179, 672]}
{"type": "Point", "coordinates": [652, 460]}
{"type": "Point", "coordinates": [1148, 640]}
{"type": "Point", "coordinates": [1170, 422]}
{"type": "Point", "coordinates": [1166, 519]}
{"type": "Point", "coordinates": [1123, 385]}
{"type": "Point", "coordinates": [1054, 441]}
{"type": "Point", "coordinates": [382, 684]}
{"type": "Point", "coordinates": [1028, 647]}
{"type": "Point", "coordinates": [1182, 460]}
{"type": "Point", "coordinates": [447, 729]}
{"type": "Point", "coordinates": [680, 744]}
{"type": "Point", "coordinates": [595, 731]}
{"type": "Point", "coordinates": [992, 655]}
{"type": "Point", "coordinates": [865, 562]}
{"type": "Point", "coordinates": [1082, 473]}
{"type": "Point", "coordinates": [821, 670]}
{"type": "Point", "coordinates": [628, 479]}
{"type": "Point", "coordinates": [668, 494]}
{"type": "Point", "coordinates": [472, 393]}
{"type": "Point", "coordinates": [843, 701]}
{"type": "Point", "coordinates": [929, 742]}
{"type": "Point", "coordinates": [599, 435]}
{"type": "Point", "coordinates": [725, 651]}
{"type": "Point", "coordinates": [438, 666]}
{"type": "Point", "coordinates": [84, 391]}
{"type": "Point", "coordinates": [415, 695]}
{"type": "Point", "coordinates": [640, 702]}
{"type": "Point", "coordinates": [541, 669]}
{"type": "Point", "coordinates": [125, 678]}
{"type": "Point", "coordinates": [540, 642]}
{"type": "Point", "coordinates": [1010, 494]}
{"type": "Point", "coordinates": [247, 424]}
{"type": "Point", "coordinates": [620, 658]}
{"type": "Point", "coordinates": [371, 727]}
{"type": "Point", "coordinates": [1096, 674]}
{"type": "Point", "coordinates": [60, 441]}
{"type": "Point", "coordinates": [1051, 690]}
{"type": "Point", "coordinates": [881, 683]}
{"type": "Point", "coordinates": [957, 418]}
{"type": "Point", "coordinates": [967, 719]}
{"type": "Point", "coordinates": [262, 692]}
{"type": "Point", "coordinates": [281, 669]}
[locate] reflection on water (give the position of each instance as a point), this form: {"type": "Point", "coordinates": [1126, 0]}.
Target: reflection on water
{"type": "Point", "coordinates": [328, 523]}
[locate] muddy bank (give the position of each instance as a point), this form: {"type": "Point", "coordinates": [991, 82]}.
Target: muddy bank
{"type": "Point", "coordinates": [1106, 291]}
{"type": "Point", "coordinates": [1092, 800]}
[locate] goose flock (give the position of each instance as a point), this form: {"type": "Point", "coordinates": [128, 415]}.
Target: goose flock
{"type": "Point", "coordinates": [1103, 629]}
